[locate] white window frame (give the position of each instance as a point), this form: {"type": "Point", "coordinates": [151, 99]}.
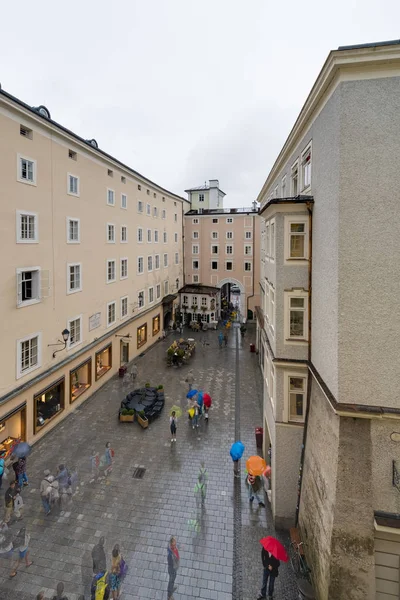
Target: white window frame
{"type": "Point", "coordinates": [166, 287]}
{"type": "Point", "coordinates": [140, 235]}
{"type": "Point", "coordinates": [20, 341]}
{"type": "Point", "coordinates": [305, 182]}
{"type": "Point", "coordinates": [294, 192]}
{"type": "Point", "coordinates": [195, 221]}
{"type": "Point", "coordinates": [150, 300]}
{"type": "Point", "coordinates": [165, 237]}
{"type": "Point", "coordinates": [112, 226]}
{"type": "Point", "coordinates": [80, 319]}
{"type": "Point", "coordinates": [156, 237]}
{"type": "Point", "coordinates": [201, 197]}
{"type": "Point", "coordinates": [163, 214]}
{"type": "Point", "coordinates": [156, 262]}
{"type": "Point", "coordinates": [21, 157]}
{"type": "Point", "coordinates": [211, 250]}
{"type": "Point", "coordinates": [120, 267]}
{"type": "Point", "coordinates": [150, 261]}
{"type": "Point", "coordinates": [141, 292]}
{"type": "Point", "coordinates": [75, 290]}
{"type": "Point", "coordinates": [248, 250]}
{"type": "Point", "coordinates": [226, 263]}
{"type": "Point", "coordinates": [108, 322]}
{"type": "Point", "coordinates": [214, 235]}
{"type": "Point", "coordinates": [286, 410]}
{"type": "Point", "coordinates": [78, 185]}
{"type": "Point", "coordinates": [165, 260]}
{"type": "Point", "coordinates": [121, 300]}
{"type": "Point", "coordinates": [247, 262]}
{"type": "Point", "coordinates": [248, 235]}
{"type": "Point", "coordinates": [155, 212]}
{"type": "Point", "coordinates": [148, 209]}
{"type": "Point", "coordinates": [108, 197]}
{"type": "Point", "coordinates": [272, 240]}
{"type": "Point", "coordinates": [271, 309]}
{"type": "Point", "coordinates": [149, 237]}
{"type": "Point", "coordinates": [176, 238]}
{"type": "Point", "coordinates": [122, 201]}
{"type": "Point", "coordinates": [177, 258]}
{"type": "Point", "coordinates": [295, 293]}
{"type": "Point", "coordinates": [124, 241]}
{"type": "Point", "coordinates": [195, 235]}
{"type": "Point", "coordinates": [195, 249]}
{"type": "Point", "coordinates": [195, 279]}
{"type": "Point", "coordinates": [198, 265]}
{"type": "Point", "coordinates": [38, 297]}
{"type": "Point", "coordinates": [226, 249]}
{"type": "Point", "coordinates": [26, 213]}
{"type": "Point", "coordinates": [175, 217]}
{"type": "Point", "coordinates": [294, 220]}
{"type": "Point", "coordinates": [215, 221]}
{"type": "Point", "coordinates": [229, 235]}
{"type": "Point", "coordinates": [140, 206]}
{"type": "Point", "coordinates": [216, 268]}
{"type": "Point", "coordinates": [68, 221]}
{"type": "Point", "coordinates": [158, 291]}
{"type": "Point", "coordinates": [137, 265]}
{"type": "Point", "coordinates": [283, 186]}
{"type": "Point", "coordinates": [108, 262]}
{"type": "Point", "coordinates": [229, 219]}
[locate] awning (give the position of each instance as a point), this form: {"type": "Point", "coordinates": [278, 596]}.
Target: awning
{"type": "Point", "coordinates": [168, 299]}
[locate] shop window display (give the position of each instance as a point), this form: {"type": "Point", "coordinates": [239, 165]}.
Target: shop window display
{"type": "Point", "coordinates": [141, 335]}
{"type": "Point", "coordinates": [81, 379]}
{"type": "Point", "coordinates": [48, 404]}
{"type": "Point", "coordinates": [12, 430]}
{"type": "Point", "coordinates": [103, 361]}
{"type": "Point", "coordinates": [156, 324]}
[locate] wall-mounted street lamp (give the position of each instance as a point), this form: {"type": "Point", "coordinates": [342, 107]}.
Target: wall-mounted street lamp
{"type": "Point", "coordinates": [65, 336]}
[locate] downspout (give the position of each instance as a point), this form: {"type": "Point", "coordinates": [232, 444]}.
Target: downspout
{"type": "Point", "coordinates": [254, 257]}
{"type": "Point", "coordinates": [183, 246]}
{"type": "Point", "coordinates": [303, 447]}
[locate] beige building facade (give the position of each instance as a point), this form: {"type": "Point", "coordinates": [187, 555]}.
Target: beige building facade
{"type": "Point", "coordinates": [92, 252]}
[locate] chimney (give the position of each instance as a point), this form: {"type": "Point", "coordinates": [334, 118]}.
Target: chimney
{"type": "Point", "coordinates": [213, 183]}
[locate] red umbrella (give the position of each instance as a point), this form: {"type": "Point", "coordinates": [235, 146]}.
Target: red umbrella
{"type": "Point", "coordinates": [207, 400]}
{"type": "Point", "coordinates": [274, 547]}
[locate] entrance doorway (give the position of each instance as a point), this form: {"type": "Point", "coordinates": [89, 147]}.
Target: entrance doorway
{"type": "Point", "coordinates": [233, 298]}
{"type": "Point", "coordinates": [124, 353]}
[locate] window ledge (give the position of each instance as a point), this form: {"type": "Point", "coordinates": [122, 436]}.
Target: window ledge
{"type": "Point", "coordinates": [29, 302]}
{"type": "Point", "coordinates": [26, 181]}
{"type": "Point", "coordinates": [20, 241]}
{"type": "Point", "coordinates": [74, 291]}
{"type": "Point", "coordinates": [296, 422]}
{"type": "Point", "coordinates": [302, 340]}
{"type": "Point", "coordinates": [294, 259]}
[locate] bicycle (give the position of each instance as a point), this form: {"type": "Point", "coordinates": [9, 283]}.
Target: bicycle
{"type": "Point", "coordinates": [298, 561]}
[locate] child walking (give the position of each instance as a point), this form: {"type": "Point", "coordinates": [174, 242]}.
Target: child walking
{"type": "Point", "coordinates": [18, 505]}
{"type": "Point", "coordinates": [172, 425]}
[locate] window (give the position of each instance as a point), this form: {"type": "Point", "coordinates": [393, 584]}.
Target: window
{"type": "Point", "coordinates": [248, 235]}
{"type": "Point", "coordinates": [73, 185]}
{"type": "Point", "coordinates": [28, 354]}
{"type": "Point", "coordinates": [148, 192]}
{"type": "Point", "coordinates": [110, 197]}
{"type": "Point", "coordinates": [272, 308]}
{"type": "Point", "coordinates": [163, 214]}
{"type": "Point", "coordinates": [175, 237]}
{"type": "Point", "coordinates": [139, 187]}
{"type": "Point", "coordinates": [156, 236]}
{"type": "Point", "coordinates": [103, 361]}
{"type": "Point", "coordinates": [124, 234]}
{"type": "Point", "coordinates": [195, 279]}
{"type": "Point", "coordinates": [267, 240]}
{"type": "Point", "coordinates": [124, 307]}
{"type": "Point", "coordinates": [229, 249]}
{"type": "Point", "coordinates": [140, 235]}
{"type": "Point", "coordinates": [204, 302]}
{"type": "Point", "coordinates": [73, 230]}
{"type": "Point", "coordinates": [214, 235]}
{"type": "Point", "coordinates": [148, 209]}
{"type": "Point", "coordinates": [74, 327]}
{"type": "Point", "coordinates": [28, 286]}
{"type": "Point", "coordinates": [25, 132]}
{"type": "Point", "coordinates": [165, 288]}
{"type": "Point", "coordinates": [186, 300]}
{"type": "Point", "coordinates": [110, 233]}
{"type": "Point", "coordinates": [229, 220]}
{"type": "Point", "coordinates": [195, 221]}
{"type": "Point", "coordinates": [195, 235]}
{"type": "Point", "coordinates": [158, 291]}
{"type": "Point", "coordinates": [229, 265]}
{"type": "Point", "coordinates": [165, 238]}
{"type": "Point", "coordinates": [165, 260]}
{"type": "Point", "coordinates": [276, 192]}
{"type": "Point", "coordinates": [156, 324]}
{"type": "Point", "coordinates": [201, 197]}
{"type": "Point", "coordinates": [306, 168]}
{"type": "Point", "coordinates": [155, 211]}
{"type": "Point", "coordinates": [149, 263]}
{"type": "Point", "coordinates": [294, 179]}
{"type": "Point", "coordinates": [124, 201]}
{"type": "Point", "coordinates": [157, 261]}
{"type": "Point", "coordinates": [248, 250]}
{"type": "Point", "coordinates": [140, 206]}
{"type": "Point", "coordinates": [123, 179]}
{"type": "Point", "coordinates": [149, 235]}
{"type": "Point", "coordinates": [80, 379]}
{"type": "Point", "coordinates": [214, 249]}
{"type": "Point", "coordinates": [195, 264]}
{"type": "Point", "coordinates": [151, 295]}
{"type": "Point", "coordinates": [140, 264]}
{"type": "Point", "coordinates": [72, 155]}
{"type": "Point", "coordinates": [215, 220]}
{"type": "Point", "coordinates": [194, 301]}
{"type": "Point", "coordinates": [229, 235]}
{"type": "Point", "coordinates": [175, 218]}
{"type": "Point", "coordinates": [26, 170]}
{"type": "Point", "coordinates": [110, 173]}
{"type": "Point", "coordinates": [141, 299]}
{"type": "Point", "coordinates": [48, 404]}
{"type": "Point", "coordinates": [272, 251]}
{"type": "Point", "coordinates": [111, 272]}
{"type": "Point", "coordinates": [111, 313]}
{"type": "Point", "coordinates": [247, 266]}
{"type": "Point", "coordinates": [176, 258]}
{"type": "Point", "coordinates": [297, 398]}
{"type": "Point", "coordinates": [297, 317]}
{"type": "Point", "coordinates": [195, 249]}
{"type": "Point", "coordinates": [297, 240]}
{"type": "Point", "coordinates": [141, 335]}
{"type": "Point", "coordinates": [74, 278]}
{"type": "Point", "coordinates": [27, 227]}
{"type": "Point", "coordinates": [214, 265]}
{"type": "Point", "coordinates": [284, 187]}
{"type": "Point", "coordinates": [124, 268]}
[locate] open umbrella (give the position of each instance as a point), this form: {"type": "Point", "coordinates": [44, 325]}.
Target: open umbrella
{"type": "Point", "coordinates": [191, 393]}
{"type": "Point", "coordinates": [22, 449]}
{"type": "Point", "coordinates": [274, 547]}
{"type": "Point", "coordinates": [256, 465]}
{"type": "Point", "coordinates": [236, 450]}
{"type": "Point", "coordinates": [207, 400]}
{"type": "Point", "coordinates": [200, 398]}
{"type": "Point", "coordinates": [177, 410]}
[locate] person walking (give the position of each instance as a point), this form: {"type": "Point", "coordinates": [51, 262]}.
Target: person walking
{"type": "Point", "coordinates": [45, 492]}
{"type": "Point", "coordinates": [203, 473]}
{"type": "Point", "coordinates": [21, 544]}
{"type": "Point", "coordinates": [60, 592]}
{"type": "Point", "coordinates": [173, 566]}
{"type": "Point", "coordinates": [115, 576]}
{"type": "Point", "coordinates": [226, 338]}
{"type": "Point", "coordinates": [99, 557]}
{"type": "Point", "coordinates": [173, 420]}
{"type": "Point", "coordinates": [109, 459]}
{"type": "Point", "coordinates": [255, 487]}
{"type": "Point", "coordinates": [220, 339]}
{"type": "Point", "coordinates": [18, 505]}
{"type": "Point", "coordinates": [181, 328]}
{"type": "Point", "coordinates": [200, 491]}
{"type": "Point", "coordinates": [190, 379]}
{"type": "Point", "coordinates": [9, 501]}
{"type": "Point", "coordinates": [271, 572]}
{"type": "Point", "coordinates": [63, 479]}
{"type": "Point", "coordinates": [195, 418]}
{"type": "Point", "coordinates": [21, 472]}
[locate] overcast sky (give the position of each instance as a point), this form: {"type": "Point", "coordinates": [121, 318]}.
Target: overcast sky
{"type": "Point", "coordinates": [182, 91]}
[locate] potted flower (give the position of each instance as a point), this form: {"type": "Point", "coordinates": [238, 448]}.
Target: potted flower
{"type": "Point", "coordinates": [160, 389]}
{"type": "Point", "coordinates": [127, 415]}
{"type": "Point", "coordinates": [194, 307]}
{"type": "Point", "coordinates": [147, 385]}
{"type": "Point", "coordinates": [204, 308]}
{"type": "Point", "coordinates": [142, 419]}
{"type": "Point", "coordinates": [185, 306]}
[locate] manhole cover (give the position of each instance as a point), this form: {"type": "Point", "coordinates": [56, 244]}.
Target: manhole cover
{"type": "Point", "coordinates": [138, 473]}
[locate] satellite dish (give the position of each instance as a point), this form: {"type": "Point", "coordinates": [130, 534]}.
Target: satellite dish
{"type": "Point", "coordinates": [92, 143]}
{"type": "Point", "coordinates": [43, 111]}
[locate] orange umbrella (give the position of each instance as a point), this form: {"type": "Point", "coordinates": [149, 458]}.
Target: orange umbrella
{"type": "Point", "coordinates": [256, 465]}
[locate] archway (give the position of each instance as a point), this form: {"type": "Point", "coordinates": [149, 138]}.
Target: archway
{"type": "Point", "coordinates": [236, 298]}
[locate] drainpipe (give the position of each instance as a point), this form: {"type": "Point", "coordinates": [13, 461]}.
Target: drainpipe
{"type": "Point", "coordinates": [303, 447]}
{"type": "Point", "coordinates": [183, 245]}
{"type": "Point", "coordinates": [254, 246]}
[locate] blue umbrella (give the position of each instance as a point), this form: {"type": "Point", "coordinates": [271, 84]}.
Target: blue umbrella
{"type": "Point", "coordinates": [23, 449]}
{"type": "Point", "coordinates": [236, 450]}
{"type": "Point", "coordinates": [200, 399]}
{"type": "Point", "coordinates": [191, 393]}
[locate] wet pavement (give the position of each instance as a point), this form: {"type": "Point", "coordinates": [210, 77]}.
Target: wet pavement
{"type": "Point", "coordinates": [219, 546]}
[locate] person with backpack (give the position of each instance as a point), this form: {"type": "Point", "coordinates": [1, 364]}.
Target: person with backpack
{"type": "Point", "coordinates": [200, 491]}
{"type": "Point", "coordinates": [173, 566]}
{"type": "Point", "coordinates": [172, 425]}
{"type": "Point", "coordinates": [2, 465]}
{"type": "Point", "coordinates": [100, 588]}
{"type": "Point", "coordinates": [255, 487]}
{"type": "Point", "coordinates": [116, 574]}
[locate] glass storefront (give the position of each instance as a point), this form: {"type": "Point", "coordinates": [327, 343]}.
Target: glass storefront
{"type": "Point", "coordinates": [12, 429]}
{"type": "Point", "coordinates": [156, 324]}
{"type": "Point", "coordinates": [80, 379]}
{"type": "Point", "coordinates": [141, 335]}
{"type": "Point", "coordinates": [103, 361]}
{"type": "Point", "coordinates": [48, 404]}
{"type": "Point", "coordinates": [124, 352]}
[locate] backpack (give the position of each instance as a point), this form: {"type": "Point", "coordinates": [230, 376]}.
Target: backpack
{"type": "Point", "coordinates": [100, 587]}
{"type": "Point", "coordinates": [112, 453]}
{"type": "Point", "coordinates": [1, 466]}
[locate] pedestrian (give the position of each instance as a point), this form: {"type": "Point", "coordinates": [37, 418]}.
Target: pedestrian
{"type": "Point", "coordinates": [94, 465]}
{"type": "Point", "coordinates": [15, 467]}
{"type": "Point", "coordinates": [53, 491]}
{"type": "Point", "coordinates": [99, 557]}
{"type": "Point", "coordinates": [271, 571]}
{"type": "Point", "coordinates": [255, 486]}
{"type": "Point", "coordinates": [60, 592]}
{"type": "Point", "coordinates": [108, 459]}
{"type": "Point", "coordinates": [2, 465]}
{"type": "Point", "coordinates": [173, 566]}
{"type": "Point", "coordinates": [190, 379]}
{"type": "Point", "coordinates": [63, 478]}
{"type": "Point", "coordinates": [173, 420]}
{"type": "Point", "coordinates": [45, 491]}
{"type": "Point", "coordinates": [220, 339]}
{"type": "Point", "coordinates": [21, 472]}
{"type": "Point", "coordinates": [115, 577]}
{"type": "Point", "coordinates": [236, 468]}
{"type": "Point", "coordinates": [181, 328]}
{"type": "Point", "coordinates": [226, 338]}
{"type": "Point", "coordinates": [9, 501]}
{"type": "Point", "coordinates": [18, 505]}
{"type": "Point", "coordinates": [21, 544]}
{"type": "Point", "coordinates": [204, 473]}
{"type": "Point", "coordinates": [6, 541]}
{"type": "Point", "coordinates": [40, 596]}
{"type": "Point", "coordinates": [195, 418]}
{"type": "Point", "coordinates": [200, 491]}
{"type": "Point", "coordinates": [100, 588]}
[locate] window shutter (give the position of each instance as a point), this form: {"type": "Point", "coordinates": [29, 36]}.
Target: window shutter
{"type": "Point", "coordinates": [45, 284]}
{"type": "Point", "coordinates": [19, 288]}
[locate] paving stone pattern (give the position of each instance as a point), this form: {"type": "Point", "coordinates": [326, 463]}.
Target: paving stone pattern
{"type": "Point", "coordinates": [142, 514]}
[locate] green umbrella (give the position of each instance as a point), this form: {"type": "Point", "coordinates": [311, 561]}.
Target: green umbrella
{"type": "Point", "coordinates": [177, 410]}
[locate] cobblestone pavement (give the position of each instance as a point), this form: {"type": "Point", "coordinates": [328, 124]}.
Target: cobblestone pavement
{"type": "Point", "coordinates": [141, 515]}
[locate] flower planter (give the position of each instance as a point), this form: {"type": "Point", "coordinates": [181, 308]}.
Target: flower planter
{"type": "Point", "coordinates": [126, 418]}
{"type": "Point", "coordinates": [143, 422]}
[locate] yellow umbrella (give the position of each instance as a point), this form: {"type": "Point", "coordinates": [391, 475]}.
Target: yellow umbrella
{"type": "Point", "coordinates": [256, 465]}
